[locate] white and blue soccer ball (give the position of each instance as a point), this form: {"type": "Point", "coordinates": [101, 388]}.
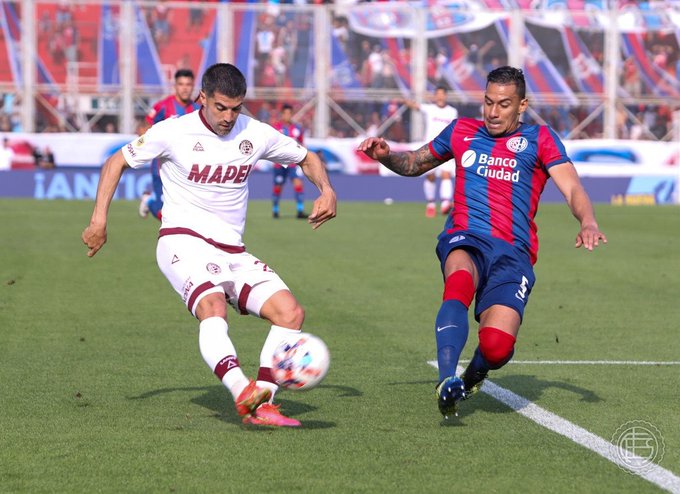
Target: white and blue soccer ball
{"type": "Point", "coordinates": [302, 363]}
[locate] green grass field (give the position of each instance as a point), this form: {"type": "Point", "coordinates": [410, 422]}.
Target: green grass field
{"type": "Point", "coordinates": [104, 390]}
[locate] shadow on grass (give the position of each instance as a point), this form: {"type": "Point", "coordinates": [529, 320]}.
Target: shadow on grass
{"type": "Point", "coordinates": [216, 398]}
{"type": "Point", "coordinates": [527, 386]}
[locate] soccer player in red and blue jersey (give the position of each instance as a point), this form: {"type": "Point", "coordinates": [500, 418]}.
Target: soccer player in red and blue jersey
{"type": "Point", "coordinates": [287, 127]}
{"type": "Point", "coordinates": [489, 244]}
{"type": "Point", "coordinates": [180, 103]}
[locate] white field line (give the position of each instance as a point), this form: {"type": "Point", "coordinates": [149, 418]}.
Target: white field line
{"type": "Point", "coordinates": [653, 473]}
{"type": "Point", "coordinates": [589, 362]}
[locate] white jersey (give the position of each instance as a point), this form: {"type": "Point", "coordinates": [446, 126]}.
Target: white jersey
{"type": "Point", "coordinates": [436, 118]}
{"type": "Point", "coordinates": [205, 176]}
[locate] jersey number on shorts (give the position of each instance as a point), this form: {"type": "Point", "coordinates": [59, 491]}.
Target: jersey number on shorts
{"type": "Point", "coordinates": [522, 292]}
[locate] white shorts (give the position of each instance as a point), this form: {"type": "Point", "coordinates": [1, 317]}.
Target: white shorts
{"type": "Point", "coordinates": [449, 166]}
{"type": "Point", "coordinates": [196, 268]}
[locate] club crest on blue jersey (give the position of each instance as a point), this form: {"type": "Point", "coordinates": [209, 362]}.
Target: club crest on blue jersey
{"type": "Point", "coordinates": [517, 144]}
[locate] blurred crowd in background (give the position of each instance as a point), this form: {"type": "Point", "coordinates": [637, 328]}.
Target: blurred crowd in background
{"type": "Point", "coordinates": [281, 53]}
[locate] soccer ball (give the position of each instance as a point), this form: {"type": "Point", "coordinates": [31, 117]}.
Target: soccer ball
{"type": "Point", "coordinates": [302, 363]}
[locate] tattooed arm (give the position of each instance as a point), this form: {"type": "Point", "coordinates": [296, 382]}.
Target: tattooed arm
{"type": "Point", "coordinates": [406, 163]}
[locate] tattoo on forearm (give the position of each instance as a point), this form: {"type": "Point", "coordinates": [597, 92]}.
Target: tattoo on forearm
{"type": "Point", "coordinates": [411, 163]}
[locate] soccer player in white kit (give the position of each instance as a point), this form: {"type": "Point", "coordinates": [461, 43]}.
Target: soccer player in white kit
{"type": "Point", "coordinates": [206, 157]}
{"type": "Point", "coordinates": [437, 115]}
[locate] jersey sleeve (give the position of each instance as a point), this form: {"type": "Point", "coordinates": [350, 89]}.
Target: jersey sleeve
{"type": "Point", "coordinates": [281, 148]}
{"type": "Point", "coordinates": [301, 135]}
{"type": "Point", "coordinates": [147, 147]}
{"type": "Point", "coordinates": [551, 151]}
{"type": "Point", "coordinates": [440, 146]}
{"type": "Point", "coordinates": [158, 113]}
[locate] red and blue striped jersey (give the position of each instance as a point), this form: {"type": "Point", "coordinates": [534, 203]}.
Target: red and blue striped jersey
{"type": "Point", "coordinates": [499, 180]}
{"type": "Point", "coordinates": [292, 130]}
{"type": "Point", "coordinates": [167, 107]}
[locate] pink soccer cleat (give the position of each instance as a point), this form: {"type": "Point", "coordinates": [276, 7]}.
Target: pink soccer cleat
{"type": "Point", "coordinates": [445, 207]}
{"type": "Point", "coordinates": [250, 398]}
{"type": "Point", "coordinates": [430, 210]}
{"type": "Point", "coordinates": [268, 414]}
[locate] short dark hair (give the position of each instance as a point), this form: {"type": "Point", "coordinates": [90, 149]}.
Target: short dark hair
{"type": "Point", "coordinates": [184, 73]}
{"type": "Point", "coordinates": [441, 88]}
{"type": "Point", "coordinates": [286, 106]}
{"type": "Point", "coordinates": [508, 75]}
{"type": "Point", "coordinates": [224, 78]}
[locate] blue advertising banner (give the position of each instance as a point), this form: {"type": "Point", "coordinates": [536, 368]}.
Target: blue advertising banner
{"type": "Point", "coordinates": [81, 184]}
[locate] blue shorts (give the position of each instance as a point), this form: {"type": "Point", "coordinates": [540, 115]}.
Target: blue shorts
{"type": "Point", "coordinates": [506, 275]}
{"type": "Point", "coordinates": [281, 173]}
{"type": "Point", "coordinates": [156, 179]}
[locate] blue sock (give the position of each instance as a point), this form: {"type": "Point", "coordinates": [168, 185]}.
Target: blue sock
{"type": "Point", "coordinates": [299, 202]}
{"type": "Point", "coordinates": [155, 207]}
{"type": "Point", "coordinates": [478, 363]}
{"type": "Point", "coordinates": [451, 332]}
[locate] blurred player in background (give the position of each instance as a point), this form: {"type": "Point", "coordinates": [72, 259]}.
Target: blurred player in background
{"type": "Point", "coordinates": [489, 244]}
{"type": "Point", "coordinates": [436, 116]}
{"type": "Point", "coordinates": [180, 103]}
{"type": "Point", "coordinates": [286, 126]}
{"type": "Point", "coordinates": [207, 156]}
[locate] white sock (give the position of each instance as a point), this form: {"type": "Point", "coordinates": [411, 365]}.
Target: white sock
{"type": "Point", "coordinates": [429, 188]}
{"type": "Point", "coordinates": [446, 189]}
{"type": "Point", "coordinates": [277, 335]}
{"type": "Point", "coordinates": [219, 353]}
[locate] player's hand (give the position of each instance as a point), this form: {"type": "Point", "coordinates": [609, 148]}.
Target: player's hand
{"type": "Point", "coordinates": [323, 209]}
{"type": "Point", "coordinates": [94, 236]}
{"type": "Point", "coordinates": [589, 237]}
{"type": "Point", "coordinates": [375, 148]}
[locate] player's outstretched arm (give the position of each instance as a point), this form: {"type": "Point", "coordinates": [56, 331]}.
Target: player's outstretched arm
{"type": "Point", "coordinates": [324, 207]}
{"type": "Point", "coordinates": [567, 181]}
{"type": "Point", "coordinates": [94, 236]}
{"type": "Point", "coordinates": [406, 163]}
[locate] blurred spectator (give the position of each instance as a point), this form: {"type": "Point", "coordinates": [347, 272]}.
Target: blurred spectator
{"type": "Point", "coordinates": [631, 82]}
{"type": "Point", "coordinates": [373, 125]}
{"type": "Point", "coordinates": [64, 13]}
{"type": "Point", "coordinates": [5, 123]}
{"type": "Point", "coordinates": [341, 31]}
{"type": "Point", "coordinates": [279, 63]}
{"type": "Point", "coordinates": [660, 127]}
{"type": "Point", "coordinates": [195, 16]}
{"type": "Point", "coordinates": [622, 130]}
{"type": "Point", "coordinates": [70, 42]}
{"type": "Point", "coordinates": [287, 38]}
{"type": "Point", "coordinates": [6, 155]}
{"type": "Point", "coordinates": [44, 159]}
{"type": "Point", "coordinates": [376, 65]}
{"type": "Point", "coordinates": [440, 61]}
{"type": "Point", "coordinates": [264, 114]}
{"type": "Point", "coordinates": [268, 73]}
{"type": "Point", "coordinates": [161, 22]}
{"type": "Point", "coordinates": [45, 24]}
{"type": "Point", "coordinates": [264, 38]}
